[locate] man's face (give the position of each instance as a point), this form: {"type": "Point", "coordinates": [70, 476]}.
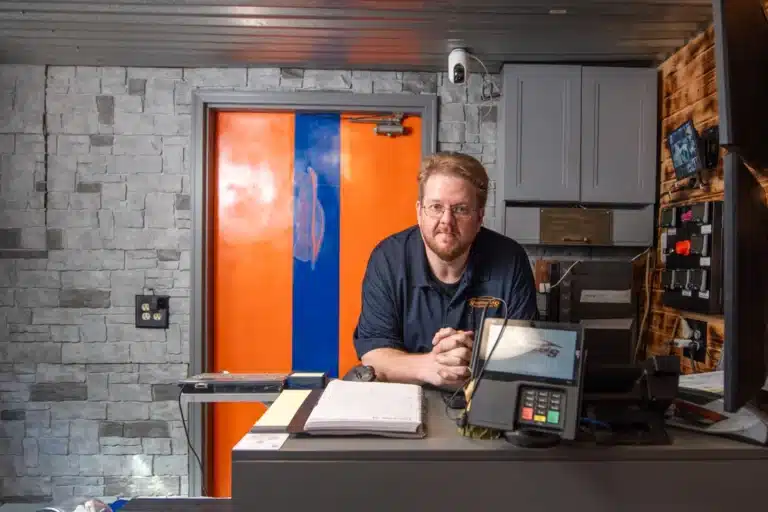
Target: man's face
{"type": "Point", "coordinates": [448, 216]}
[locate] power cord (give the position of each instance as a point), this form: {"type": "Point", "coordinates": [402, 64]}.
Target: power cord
{"type": "Point", "coordinates": [475, 349]}
{"type": "Point", "coordinates": [474, 382]}
{"type": "Point", "coordinates": [192, 448]}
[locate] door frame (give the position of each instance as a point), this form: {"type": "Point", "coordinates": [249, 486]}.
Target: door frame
{"type": "Point", "coordinates": [204, 104]}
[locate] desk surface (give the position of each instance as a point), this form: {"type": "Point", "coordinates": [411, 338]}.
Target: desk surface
{"type": "Point", "coordinates": [178, 505]}
{"type": "Point", "coordinates": [443, 442]}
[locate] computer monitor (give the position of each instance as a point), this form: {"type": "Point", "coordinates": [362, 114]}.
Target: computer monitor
{"type": "Point", "coordinates": [741, 57]}
{"type": "Point", "coordinates": [745, 286]}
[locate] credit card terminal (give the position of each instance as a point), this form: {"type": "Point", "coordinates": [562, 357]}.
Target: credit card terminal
{"type": "Point", "coordinates": [529, 380]}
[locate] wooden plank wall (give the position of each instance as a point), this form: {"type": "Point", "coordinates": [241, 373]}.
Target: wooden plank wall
{"type": "Point", "coordinates": [688, 90]}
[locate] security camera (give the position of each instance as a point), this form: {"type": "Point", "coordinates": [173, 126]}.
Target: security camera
{"type": "Point", "coordinates": [458, 66]}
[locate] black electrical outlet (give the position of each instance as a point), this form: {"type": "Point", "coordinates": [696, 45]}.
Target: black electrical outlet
{"type": "Point", "coordinates": [152, 311]}
{"type": "Point", "coordinates": [697, 350]}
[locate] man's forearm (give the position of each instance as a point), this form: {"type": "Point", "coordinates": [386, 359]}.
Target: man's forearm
{"type": "Point", "coordinates": [392, 365]}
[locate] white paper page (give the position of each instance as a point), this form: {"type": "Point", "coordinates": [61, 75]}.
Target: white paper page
{"type": "Point", "coordinates": [711, 382]}
{"type": "Point", "coordinates": [714, 382]}
{"type": "Point", "coordinates": [284, 408]}
{"type": "Point", "coordinates": [261, 442]}
{"type": "Point", "coordinates": [367, 402]}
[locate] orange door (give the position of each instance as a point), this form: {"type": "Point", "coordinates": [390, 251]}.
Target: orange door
{"type": "Point", "coordinates": [300, 200]}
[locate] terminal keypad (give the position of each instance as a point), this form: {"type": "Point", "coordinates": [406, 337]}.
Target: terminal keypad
{"type": "Point", "coordinates": [542, 407]}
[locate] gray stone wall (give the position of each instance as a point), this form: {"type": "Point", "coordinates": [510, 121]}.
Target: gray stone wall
{"type": "Point", "coordinates": [94, 185]}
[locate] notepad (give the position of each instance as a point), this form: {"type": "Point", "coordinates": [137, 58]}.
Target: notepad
{"type": "Point", "coordinates": [376, 408]}
{"type": "Point", "coordinates": [282, 411]}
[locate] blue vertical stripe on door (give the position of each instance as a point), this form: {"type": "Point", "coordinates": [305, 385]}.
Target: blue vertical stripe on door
{"type": "Point", "coordinates": [316, 243]}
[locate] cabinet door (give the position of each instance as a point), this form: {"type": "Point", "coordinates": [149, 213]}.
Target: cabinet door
{"type": "Point", "coordinates": [522, 224]}
{"type": "Point", "coordinates": [633, 226]}
{"type": "Point", "coordinates": [541, 121]}
{"type": "Point", "coordinates": [619, 136]}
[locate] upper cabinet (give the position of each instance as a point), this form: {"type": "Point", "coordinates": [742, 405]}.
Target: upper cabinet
{"type": "Point", "coordinates": [579, 134]}
{"type": "Point", "coordinates": [542, 122]}
{"type": "Point", "coordinates": [619, 115]}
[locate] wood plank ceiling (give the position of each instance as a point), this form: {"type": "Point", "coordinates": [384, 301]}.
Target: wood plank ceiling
{"type": "Point", "coordinates": [349, 34]}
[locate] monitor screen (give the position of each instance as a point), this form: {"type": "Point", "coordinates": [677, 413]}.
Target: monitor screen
{"type": "Point", "coordinates": [685, 150]}
{"type": "Point", "coordinates": [544, 353]}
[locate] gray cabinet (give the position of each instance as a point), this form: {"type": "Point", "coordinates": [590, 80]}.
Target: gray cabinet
{"type": "Point", "coordinates": [577, 134]}
{"type": "Point", "coordinates": [618, 135]}
{"type": "Point", "coordinates": [541, 123]}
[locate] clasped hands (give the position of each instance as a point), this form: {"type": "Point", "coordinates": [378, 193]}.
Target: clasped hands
{"type": "Point", "coordinates": [448, 362]}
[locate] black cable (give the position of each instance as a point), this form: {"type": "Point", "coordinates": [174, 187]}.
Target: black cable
{"type": "Point", "coordinates": [473, 360]}
{"type": "Point", "coordinates": [192, 448]}
{"type": "Point", "coordinates": [507, 313]}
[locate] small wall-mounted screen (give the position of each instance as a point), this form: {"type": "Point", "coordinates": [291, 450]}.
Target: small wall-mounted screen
{"type": "Point", "coordinates": [685, 148]}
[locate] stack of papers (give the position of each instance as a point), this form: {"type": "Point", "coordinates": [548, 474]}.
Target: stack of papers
{"type": "Point", "coordinates": [377, 408]}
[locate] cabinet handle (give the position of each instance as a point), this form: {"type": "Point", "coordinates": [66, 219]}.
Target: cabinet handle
{"type": "Point", "coordinates": [576, 239]}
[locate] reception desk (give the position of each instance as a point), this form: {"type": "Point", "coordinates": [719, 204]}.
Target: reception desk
{"type": "Point", "coordinates": [446, 471]}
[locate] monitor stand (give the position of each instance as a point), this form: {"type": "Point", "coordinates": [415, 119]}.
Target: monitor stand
{"type": "Point", "coordinates": [526, 438]}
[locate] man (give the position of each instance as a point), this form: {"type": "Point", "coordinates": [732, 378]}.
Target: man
{"type": "Point", "coordinates": [418, 318]}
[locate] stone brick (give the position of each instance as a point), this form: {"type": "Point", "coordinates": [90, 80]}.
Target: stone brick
{"type": "Point", "coordinates": [127, 123]}
{"type": "Point", "coordinates": [159, 210]}
{"type": "Point", "coordinates": [60, 373]}
{"type": "Point", "coordinates": [156, 446]}
{"type": "Point", "coordinates": [168, 254]}
{"type": "Point", "coordinates": [183, 202]}
{"type": "Point", "coordinates": [84, 437]}
{"type": "Point", "coordinates": [105, 106]}
{"type": "Point", "coordinates": [7, 143]}
{"type": "Point", "coordinates": [100, 141]}
{"type": "Point", "coordinates": [334, 80]}
{"type": "Point", "coordinates": [119, 465]}
{"type": "Point", "coordinates": [58, 392]}
{"type": "Point", "coordinates": [216, 77]}
{"type": "Point", "coordinates": [83, 298]}
{"type": "Point", "coordinates": [13, 415]}
{"type": "Point", "coordinates": [170, 465]}
{"type": "Point", "coordinates": [420, 83]}
{"type": "Point", "coordinates": [88, 188]}
{"type": "Point", "coordinates": [10, 238]}
{"type": "Point", "coordinates": [128, 411]}
{"type": "Point", "coordinates": [135, 145]}
{"type": "Point", "coordinates": [130, 392]}
{"type": "Point", "coordinates": [137, 86]}
{"type": "Point", "coordinates": [158, 96]}
{"type": "Point", "coordinates": [162, 392]}
{"type": "Point", "coordinates": [54, 446]}
{"type": "Point", "coordinates": [73, 145]}
{"type": "Point", "coordinates": [94, 353]}
{"type": "Point", "coordinates": [151, 428]}
{"type": "Point", "coordinates": [111, 429]}
{"type": "Point", "coordinates": [141, 486]}
{"type": "Point", "coordinates": [263, 79]}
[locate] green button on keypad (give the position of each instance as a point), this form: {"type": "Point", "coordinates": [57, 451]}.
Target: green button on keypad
{"type": "Point", "coordinates": [553, 417]}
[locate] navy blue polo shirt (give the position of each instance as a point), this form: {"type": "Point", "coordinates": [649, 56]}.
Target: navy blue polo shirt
{"type": "Point", "coordinates": [403, 304]}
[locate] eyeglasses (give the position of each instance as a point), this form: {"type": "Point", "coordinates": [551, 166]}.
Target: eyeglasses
{"type": "Point", "coordinates": [436, 210]}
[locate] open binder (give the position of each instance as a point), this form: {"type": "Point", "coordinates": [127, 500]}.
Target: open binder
{"type": "Point", "coordinates": [348, 408]}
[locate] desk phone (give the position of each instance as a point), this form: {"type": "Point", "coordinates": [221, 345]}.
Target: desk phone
{"type": "Point", "coordinates": [530, 379]}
